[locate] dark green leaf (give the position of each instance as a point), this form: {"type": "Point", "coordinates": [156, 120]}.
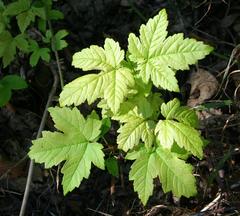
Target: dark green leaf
{"type": "Point", "coordinates": [5, 95]}
{"type": "Point", "coordinates": [55, 15]}
{"type": "Point", "coordinates": [24, 19]}
{"type": "Point", "coordinates": [106, 125]}
{"type": "Point", "coordinates": [40, 12]}
{"type": "Point", "coordinates": [58, 43]}
{"type": "Point", "coordinates": [112, 166]}
{"type": "Point", "coordinates": [21, 42]}
{"type": "Point", "coordinates": [13, 82]}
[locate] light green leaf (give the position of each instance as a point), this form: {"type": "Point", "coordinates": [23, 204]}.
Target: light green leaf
{"type": "Point", "coordinates": [154, 33]}
{"type": "Point", "coordinates": [69, 121]}
{"type": "Point", "coordinates": [92, 58]}
{"type": "Point", "coordinates": [112, 83]}
{"type": "Point", "coordinates": [76, 145]}
{"type": "Point", "coordinates": [88, 87]}
{"type": "Point", "coordinates": [24, 19]}
{"type": "Point", "coordinates": [157, 57]}
{"type": "Point", "coordinates": [178, 53]}
{"type": "Point", "coordinates": [180, 153]}
{"type": "Point", "coordinates": [97, 58]}
{"type": "Point", "coordinates": [135, 153]}
{"type": "Point", "coordinates": [165, 135]}
{"type": "Point", "coordinates": [117, 88]}
{"type": "Point", "coordinates": [138, 106]}
{"type": "Point", "coordinates": [92, 129]}
{"type": "Point", "coordinates": [78, 165]}
{"type": "Point", "coordinates": [130, 134]}
{"type": "Point", "coordinates": [143, 171]}
{"type": "Point", "coordinates": [175, 175]}
{"type": "Point", "coordinates": [161, 75]}
{"type": "Point", "coordinates": [173, 110]}
{"type": "Point", "coordinates": [168, 109]}
{"type": "Point", "coordinates": [136, 49]}
{"type": "Point", "coordinates": [148, 136]}
{"type": "Point", "coordinates": [114, 54]}
{"type": "Point", "coordinates": [185, 136]}
{"type": "Point", "coordinates": [133, 131]}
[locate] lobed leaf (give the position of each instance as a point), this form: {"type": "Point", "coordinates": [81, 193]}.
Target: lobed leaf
{"type": "Point", "coordinates": [175, 175]}
{"type": "Point", "coordinates": [154, 33]}
{"type": "Point", "coordinates": [112, 83]}
{"type": "Point", "coordinates": [24, 19]}
{"type": "Point", "coordinates": [173, 110]}
{"type": "Point", "coordinates": [157, 57]}
{"type": "Point", "coordinates": [76, 145]}
{"type": "Point", "coordinates": [117, 87]}
{"type": "Point", "coordinates": [88, 87]}
{"type": "Point", "coordinates": [185, 136]}
{"type": "Point", "coordinates": [142, 172]}
{"type": "Point", "coordinates": [13, 82]}
{"type": "Point", "coordinates": [178, 53]}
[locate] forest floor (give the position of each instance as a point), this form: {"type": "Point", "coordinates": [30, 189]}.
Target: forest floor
{"type": "Point", "coordinates": [216, 22]}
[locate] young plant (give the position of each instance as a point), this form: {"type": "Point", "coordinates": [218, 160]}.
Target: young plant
{"type": "Point", "coordinates": [157, 136]}
{"type": "Point", "coordinates": [30, 17]}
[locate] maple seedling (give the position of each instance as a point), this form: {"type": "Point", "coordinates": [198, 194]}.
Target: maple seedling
{"type": "Point", "coordinates": [157, 136]}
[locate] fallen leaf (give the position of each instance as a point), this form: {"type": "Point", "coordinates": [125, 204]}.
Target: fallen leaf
{"type": "Point", "coordinates": [203, 86]}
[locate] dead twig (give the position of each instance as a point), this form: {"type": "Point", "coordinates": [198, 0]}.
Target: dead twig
{"type": "Point", "coordinates": [41, 127]}
{"type": "Point", "coordinates": [212, 204]}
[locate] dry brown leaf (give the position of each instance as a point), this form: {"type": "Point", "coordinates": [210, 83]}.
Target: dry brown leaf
{"type": "Point", "coordinates": [203, 86]}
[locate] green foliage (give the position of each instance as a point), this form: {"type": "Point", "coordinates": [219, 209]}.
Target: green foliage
{"type": "Point", "coordinates": [112, 83]}
{"type": "Point", "coordinates": [38, 52]}
{"type": "Point", "coordinates": [9, 83]}
{"type": "Point", "coordinates": [112, 166]}
{"type": "Point", "coordinates": [179, 131]}
{"type": "Point", "coordinates": [76, 145]}
{"type": "Point", "coordinates": [27, 13]}
{"type": "Point", "coordinates": [158, 136]}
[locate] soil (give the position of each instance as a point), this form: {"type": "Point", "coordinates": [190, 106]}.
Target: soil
{"type": "Point", "coordinates": [216, 22]}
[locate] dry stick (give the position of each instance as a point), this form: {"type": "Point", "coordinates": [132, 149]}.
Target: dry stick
{"type": "Point", "coordinates": [211, 204]}
{"type": "Point", "coordinates": [41, 127]}
{"type": "Point", "coordinates": [56, 55]}
{"type": "Point", "coordinates": [229, 65]}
